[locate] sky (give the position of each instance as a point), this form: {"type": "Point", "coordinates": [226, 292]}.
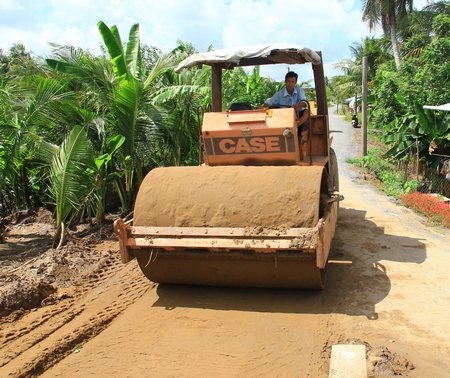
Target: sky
{"type": "Point", "coordinates": [330, 26]}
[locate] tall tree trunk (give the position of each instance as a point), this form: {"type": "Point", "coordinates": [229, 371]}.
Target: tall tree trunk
{"type": "Point", "coordinates": [394, 42]}
{"type": "Point", "coordinates": [100, 203]}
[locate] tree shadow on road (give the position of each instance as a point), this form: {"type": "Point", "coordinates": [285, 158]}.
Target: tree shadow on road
{"type": "Point", "coordinates": [356, 277]}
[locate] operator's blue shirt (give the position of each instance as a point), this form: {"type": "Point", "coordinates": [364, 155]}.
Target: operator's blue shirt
{"type": "Point", "coordinates": [284, 100]}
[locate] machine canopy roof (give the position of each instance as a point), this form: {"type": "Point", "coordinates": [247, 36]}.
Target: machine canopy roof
{"type": "Point", "coordinates": [445, 107]}
{"type": "Point", "coordinates": [253, 56]}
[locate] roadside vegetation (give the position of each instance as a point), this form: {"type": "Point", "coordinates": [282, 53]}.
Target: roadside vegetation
{"type": "Point", "coordinates": [430, 206]}
{"type": "Point", "coordinates": [392, 182]}
{"type": "Point", "coordinates": [415, 142]}
{"type": "Point", "coordinates": [79, 132]}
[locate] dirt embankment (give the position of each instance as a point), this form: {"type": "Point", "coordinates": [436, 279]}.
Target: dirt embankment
{"type": "Point", "coordinates": [53, 301]}
{"type": "Point", "coordinates": [32, 273]}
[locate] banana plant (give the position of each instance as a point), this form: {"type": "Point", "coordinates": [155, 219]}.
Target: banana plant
{"type": "Point", "coordinates": [418, 126]}
{"type": "Point", "coordinates": [134, 116]}
{"type": "Point", "coordinates": [103, 177]}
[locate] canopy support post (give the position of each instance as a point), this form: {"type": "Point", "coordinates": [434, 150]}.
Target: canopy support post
{"type": "Point", "coordinates": [216, 87]}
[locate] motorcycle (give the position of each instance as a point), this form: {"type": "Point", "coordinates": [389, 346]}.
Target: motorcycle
{"type": "Point", "coordinates": [355, 122]}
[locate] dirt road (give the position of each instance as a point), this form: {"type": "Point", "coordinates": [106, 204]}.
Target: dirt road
{"type": "Point", "coordinates": [387, 286]}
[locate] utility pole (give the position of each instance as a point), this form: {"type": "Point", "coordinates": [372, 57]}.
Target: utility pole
{"type": "Point", "coordinates": [364, 106]}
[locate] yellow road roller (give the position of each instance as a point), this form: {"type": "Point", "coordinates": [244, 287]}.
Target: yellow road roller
{"type": "Point", "coordinates": [261, 211]}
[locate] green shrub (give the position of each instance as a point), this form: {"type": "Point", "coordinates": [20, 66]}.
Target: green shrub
{"type": "Point", "coordinates": [392, 182]}
{"type": "Point", "coordinates": [410, 186]}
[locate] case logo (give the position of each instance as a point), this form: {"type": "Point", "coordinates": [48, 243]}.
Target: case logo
{"type": "Point", "coordinates": [249, 145]}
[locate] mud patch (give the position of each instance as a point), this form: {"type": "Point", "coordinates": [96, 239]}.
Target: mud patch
{"type": "Point", "coordinates": [32, 273]}
{"type": "Point", "coordinates": [31, 341]}
{"type": "Point", "coordinates": [24, 293]}
{"type": "Point", "coordinates": [380, 361]}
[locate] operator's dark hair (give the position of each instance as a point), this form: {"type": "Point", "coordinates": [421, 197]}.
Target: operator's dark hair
{"type": "Point", "coordinates": [291, 74]}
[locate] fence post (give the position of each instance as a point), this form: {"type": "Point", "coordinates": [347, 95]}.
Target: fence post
{"type": "Point", "coordinates": [417, 160]}
{"type": "Point", "coordinates": [364, 105]}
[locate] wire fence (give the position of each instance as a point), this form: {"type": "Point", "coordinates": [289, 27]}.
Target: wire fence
{"type": "Point", "coordinates": [429, 180]}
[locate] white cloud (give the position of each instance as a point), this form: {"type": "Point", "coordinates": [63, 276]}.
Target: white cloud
{"type": "Point", "coordinates": [327, 25]}
{"type": "Point", "coordinates": [9, 4]}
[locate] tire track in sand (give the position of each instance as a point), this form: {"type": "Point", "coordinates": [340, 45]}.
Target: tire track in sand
{"type": "Point", "coordinates": [44, 336]}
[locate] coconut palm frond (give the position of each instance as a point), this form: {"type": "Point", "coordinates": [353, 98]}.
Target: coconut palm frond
{"type": "Point", "coordinates": [69, 177]}
{"type": "Point", "coordinates": [164, 63]}
{"type": "Point", "coordinates": [45, 151]}
{"type": "Point", "coordinates": [41, 105]}
{"type": "Point", "coordinates": [169, 93]}
{"type": "Point", "coordinates": [415, 53]}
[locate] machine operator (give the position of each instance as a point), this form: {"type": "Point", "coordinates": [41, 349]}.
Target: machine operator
{"type": "Point", "coordinates": [292, 96]}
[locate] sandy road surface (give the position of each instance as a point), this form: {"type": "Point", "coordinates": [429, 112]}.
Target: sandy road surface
{"type": "Point", "coordinates": [387, 286]}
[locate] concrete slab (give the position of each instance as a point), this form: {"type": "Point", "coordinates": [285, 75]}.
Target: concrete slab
{"type": "Point", "coordinates": [348, 361]}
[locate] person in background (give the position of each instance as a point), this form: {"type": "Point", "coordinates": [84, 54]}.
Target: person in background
{"type": "Point", "coordinates": [355, 121]}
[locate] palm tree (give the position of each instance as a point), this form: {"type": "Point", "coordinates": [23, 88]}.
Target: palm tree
{"type": "Point", "coordinates": [375, 51]}
{"type": "Point", "coordinates": [116, 97]}
{"type": "Point", "coordinates": [424, 27]}
{"type": "Point", "coordinates": [183, 97]}
{"type": "Point", "coordinates": [72, 183]}
{"type": "Point", "coordinates": [133, 114]}
{"type": "Point", "coordinates": [391, 15]}
{"type": "Point", "coordinates": [34, 105]}
{"type": "Point", "coordinates": [93, 80]}
{"type": "Point", "coordinates": [348, 84]}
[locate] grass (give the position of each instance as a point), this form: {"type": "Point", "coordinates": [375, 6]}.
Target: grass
{"type": "Point", "coordinates": [392, 182]}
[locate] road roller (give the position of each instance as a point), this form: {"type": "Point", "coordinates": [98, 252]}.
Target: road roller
{"type": "Point", "coordinates": [261, 208]}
